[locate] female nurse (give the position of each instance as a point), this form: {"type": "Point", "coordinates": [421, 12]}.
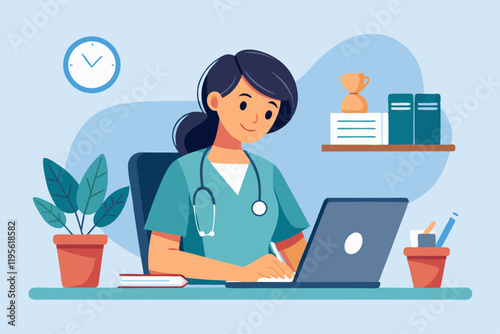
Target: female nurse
{"type": "Point", "coordinates": [218, 207]}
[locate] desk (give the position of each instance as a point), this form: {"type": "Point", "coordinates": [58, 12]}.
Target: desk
{"type": "Point", "coordinates": [222, 293]}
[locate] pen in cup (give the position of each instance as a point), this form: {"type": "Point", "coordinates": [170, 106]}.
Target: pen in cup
{"type": "Point", "coordinates": [446, 231]}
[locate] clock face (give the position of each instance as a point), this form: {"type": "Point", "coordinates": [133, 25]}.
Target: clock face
{"type": "Point", "coordinates": [91, 64]}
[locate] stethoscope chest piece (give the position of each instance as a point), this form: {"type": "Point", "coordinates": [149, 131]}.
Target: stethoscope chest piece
{"type": "Point", "coordinates": [259, 208]}
{"type": "Point", "coordinates": [209, 234]}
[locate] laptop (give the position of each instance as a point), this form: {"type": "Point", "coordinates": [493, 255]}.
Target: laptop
{"type": "Point", "coordinates": [348, 247]}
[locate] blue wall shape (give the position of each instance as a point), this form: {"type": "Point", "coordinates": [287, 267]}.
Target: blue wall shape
{"type": "Point", "coordinates": [121, 131]}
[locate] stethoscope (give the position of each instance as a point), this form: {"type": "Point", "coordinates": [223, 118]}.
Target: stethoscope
{"type": "Point", "coordinates": [259, 207]}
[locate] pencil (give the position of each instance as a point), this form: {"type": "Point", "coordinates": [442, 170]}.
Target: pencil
{"type": "Point", "coordinates": [429, 228]}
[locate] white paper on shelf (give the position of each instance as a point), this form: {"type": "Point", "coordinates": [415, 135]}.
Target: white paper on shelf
{"type": "Point", "coordinates": [385, 128]}
{"type": "Point", "coordinates": [359, 129]}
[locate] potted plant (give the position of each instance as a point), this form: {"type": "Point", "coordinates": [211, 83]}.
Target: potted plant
{"type": "Point", "coordinates": [80, 254]}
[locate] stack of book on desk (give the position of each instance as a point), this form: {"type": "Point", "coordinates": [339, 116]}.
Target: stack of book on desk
{"type": "Point", "coordinates": [152, 281]}
{"type": "Point", "coordinates": [359, 129]}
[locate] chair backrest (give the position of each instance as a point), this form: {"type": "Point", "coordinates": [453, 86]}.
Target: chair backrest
{"type": "Point", "coordinates": [146, 171]}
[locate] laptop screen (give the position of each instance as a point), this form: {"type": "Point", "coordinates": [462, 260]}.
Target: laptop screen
{"type": "Point", "coordinates": [351, 240]}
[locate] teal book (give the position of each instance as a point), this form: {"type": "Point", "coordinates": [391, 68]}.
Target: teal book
{"type": "Point", "coordinates": [400, 119]}
{"type": "Point", "coordinates": [427, 119]}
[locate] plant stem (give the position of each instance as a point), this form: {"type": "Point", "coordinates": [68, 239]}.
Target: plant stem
{"type": "Point", "coordinates": [66, 228]}
{"type": "Point", "coordinates": [78, 221]}
{"type": "Point", "coordinates": [93, 227]}
{"type": "Point", "coordinates": [83, 219]}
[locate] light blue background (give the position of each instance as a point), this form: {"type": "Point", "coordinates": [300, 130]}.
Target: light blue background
{"type": "Point", "coordinates": [42, 113]}
{"type": "Point", "coordinates": [146, 127]}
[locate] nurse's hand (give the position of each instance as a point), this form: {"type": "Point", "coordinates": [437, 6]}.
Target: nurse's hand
{"type": "Point", "coordinates": [266, 266]}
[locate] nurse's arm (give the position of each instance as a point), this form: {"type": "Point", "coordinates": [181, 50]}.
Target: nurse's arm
{"type": "Point", "coordinates": [165, 257]}
{"type": "Point", "coordinates": [292, 249]}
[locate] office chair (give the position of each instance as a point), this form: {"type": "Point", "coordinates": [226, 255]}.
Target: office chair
{"type": "Point", "coordinates": [146, 172]}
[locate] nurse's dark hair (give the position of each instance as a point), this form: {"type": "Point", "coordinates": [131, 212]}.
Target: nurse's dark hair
{"type": "Point", "coordinates": [263, 72]}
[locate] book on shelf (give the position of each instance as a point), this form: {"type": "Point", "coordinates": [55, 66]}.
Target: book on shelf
{"type": "Point", "coordinates": [152, 281]}
{"type": "Point", "coordinates": [359, 129]}
{"type": "Point", "coordinates": [400, 119]}
{"type": "Point", "coordinates": [427, 119]}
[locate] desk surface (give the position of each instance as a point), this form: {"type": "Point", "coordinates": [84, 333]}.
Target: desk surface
{"type": "Point", "coordinates": [222, 293]}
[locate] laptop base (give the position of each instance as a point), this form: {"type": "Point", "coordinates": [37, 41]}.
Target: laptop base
{"type": "Point", "coordinates": [304, 285]}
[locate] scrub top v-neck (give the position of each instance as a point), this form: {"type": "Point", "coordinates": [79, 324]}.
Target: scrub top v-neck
{"type": "Point", "coordinates": [233, 174]}
{"type": "Point", "coordinates": [240, 237]}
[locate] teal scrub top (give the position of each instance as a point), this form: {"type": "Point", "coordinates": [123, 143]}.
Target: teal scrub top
{"type": "Point", "coordinates": [240, 236]}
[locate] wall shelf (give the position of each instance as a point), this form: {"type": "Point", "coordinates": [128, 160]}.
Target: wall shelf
{"type": "Point", "coordinates": [387, 148]}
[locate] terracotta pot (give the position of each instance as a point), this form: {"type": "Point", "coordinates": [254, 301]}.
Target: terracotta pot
{"type": "Point", "coordinates": [427, 265]}
{"type": "Point", "coordinates": [80, 259]}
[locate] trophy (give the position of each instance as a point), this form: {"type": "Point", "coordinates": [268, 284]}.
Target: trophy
{"type": "Point", "coordinates": [354, 83]}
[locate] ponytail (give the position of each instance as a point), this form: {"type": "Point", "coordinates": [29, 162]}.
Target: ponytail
{"type": "Point", "coordinates": [196, 131]}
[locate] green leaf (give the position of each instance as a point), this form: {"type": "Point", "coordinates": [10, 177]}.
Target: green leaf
{"type": "Point", "coordinates": [93, 186]}
{"type": "Point", "coordinates": [50, 213]}
{"type": "Point", "coordinates": [111, 208]}
{"type": "Point", "coordinates": [62, 186]}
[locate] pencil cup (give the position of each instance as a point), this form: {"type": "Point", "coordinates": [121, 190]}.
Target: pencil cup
{"type": "Point", "coordinates": [427, 265]}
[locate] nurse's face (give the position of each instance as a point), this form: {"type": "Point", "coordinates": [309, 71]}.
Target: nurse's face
{"type": "Point", "coordinates": [246, 114]}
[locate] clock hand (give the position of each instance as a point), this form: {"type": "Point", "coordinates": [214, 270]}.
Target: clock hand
{"type": "Point", "coordinates": [86, 60]}
{"type": "Point", "coordinates": [96, 61]}
{"type": "Point", "coordinates": [91, 65]}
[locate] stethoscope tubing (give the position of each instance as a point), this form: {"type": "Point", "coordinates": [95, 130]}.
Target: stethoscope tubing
{"type": "Point", "coordinates": [202, 187]}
